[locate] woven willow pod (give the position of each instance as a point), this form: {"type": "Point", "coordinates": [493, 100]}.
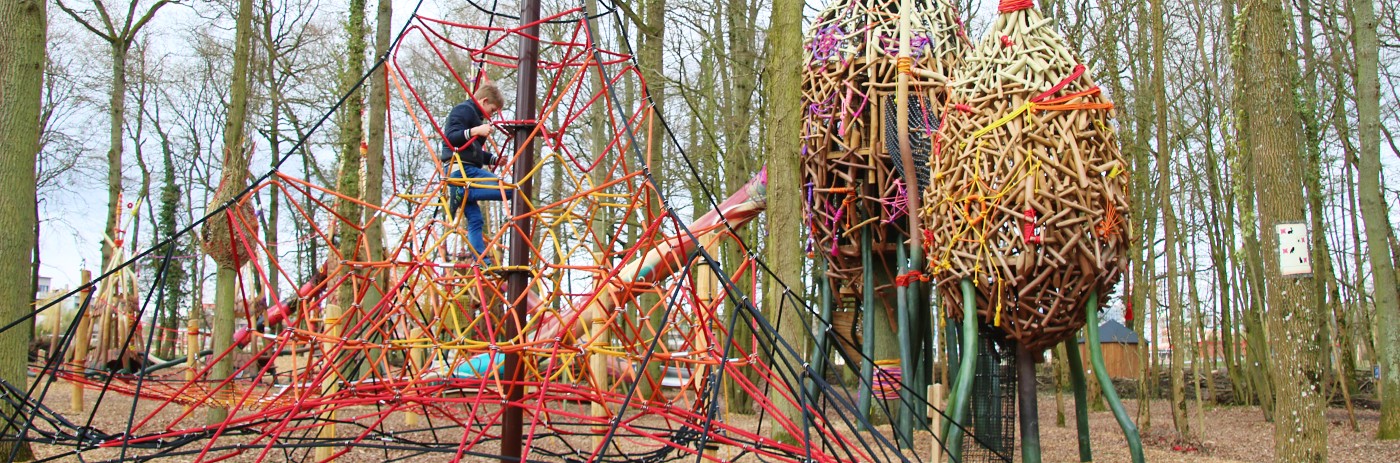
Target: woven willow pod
{"type": "Point", "coordinates": [225, 236]}
{"type": "Point", "coordinates": [851, 182]}
{"type": "Point", "coordinates": [1029, 195]}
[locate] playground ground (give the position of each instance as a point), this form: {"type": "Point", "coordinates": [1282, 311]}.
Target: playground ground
{"type": "Point", "coordinates": [1231, 434]}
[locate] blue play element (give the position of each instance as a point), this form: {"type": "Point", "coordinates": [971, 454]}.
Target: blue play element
{"type": "Point", "coordinates": [480, 365]}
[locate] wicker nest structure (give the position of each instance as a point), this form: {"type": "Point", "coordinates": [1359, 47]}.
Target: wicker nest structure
{"type": "Point", "coordinates": [852, 186]}
{"type": "Point", "coordinates": [224, 237]}
{"type": "Point", "coordinates": [1029, 190]}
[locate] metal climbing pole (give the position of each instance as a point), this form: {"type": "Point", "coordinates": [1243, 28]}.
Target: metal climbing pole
{"type": "Point", "coordinates": [522, 231]}
{"type": "Point", "coordinates": [867, 327]}
{"type": "Point", "coordinates": [1130, 431]}
{"type": "Point", "coordinates": [822, 349]}
{"type": "Point", "coordinates": [1081, 403]}
{"type": "Point", "coordinates": [967, 368]}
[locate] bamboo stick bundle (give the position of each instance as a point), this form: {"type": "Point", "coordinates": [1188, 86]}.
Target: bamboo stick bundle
{"type": "Point", "coordinates": [851, 183]}
{"type": "Point", "coordinates": [1029, 190]}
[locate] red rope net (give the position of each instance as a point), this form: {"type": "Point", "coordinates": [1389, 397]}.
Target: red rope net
{"type": "Point", "coordinates": [400, 353]}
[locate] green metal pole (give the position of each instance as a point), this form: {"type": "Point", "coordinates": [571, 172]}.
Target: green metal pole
{"type": "Point", "coordinates": [962, 386]}
{"type": "Point", "coordinates": [1130, 430]}
{"type": "Point", "coordinates": [905, 424]}
{"type": "Point", "coordinates": [867, 314]}
{"type": "Point", "coordinates": [823, 347]}
{"type": "Point", "coordinates": [1081, 402]}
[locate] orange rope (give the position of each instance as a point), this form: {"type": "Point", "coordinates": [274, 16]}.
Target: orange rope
{"type": "Point", "coordinates": [907, 278]}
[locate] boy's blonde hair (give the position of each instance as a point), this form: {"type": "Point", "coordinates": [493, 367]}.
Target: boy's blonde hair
{"type": "Point", "coordinates": [490, 94]}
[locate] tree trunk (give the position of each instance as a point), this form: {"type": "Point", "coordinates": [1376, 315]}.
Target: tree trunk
{"type": "Point", "coordinates": [348, 180]}
{"type": "Point", "coordinates": [374, 174]}
{"type": "Point", "coordinates": [274, 136]}
{"type": "Point", "coordinates": [234, 177]}
{"type": "Point", "coordinates": [651, 58]}
{"type": "Point", "coordinates": [1273, 125]}
{"type": "Point", "coordinates": [1373, 210]}
{"type": "Point", "coordinates": [174, 281]}
{"type": "Point", "coordinates": [22, 55]}
{"type": "Point", "coordinates": [1060, 384]}
{"type": "Point", "coordinates": [117, 113]}
{"type": "Point", "coordinates": [1145, 225]}
{"type": "Point", "coordinates": [784, 245]}
{"type": "Point", "coordinates": [740, 160]}
{"type": "Point", "coordinates": [1257, 348]}
{"type": "Point", "coordinates": [1164, 194]}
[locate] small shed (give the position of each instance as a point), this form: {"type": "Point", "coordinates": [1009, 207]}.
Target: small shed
{"type": "Point", "coordinates": [1120, 350]}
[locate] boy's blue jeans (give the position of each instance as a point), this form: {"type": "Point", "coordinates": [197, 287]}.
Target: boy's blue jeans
{"type": "Point", "coordinates": [470, 210]}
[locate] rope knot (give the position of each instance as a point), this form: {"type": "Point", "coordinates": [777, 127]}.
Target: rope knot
{"type": "Point", "coordinates": [907, 278]}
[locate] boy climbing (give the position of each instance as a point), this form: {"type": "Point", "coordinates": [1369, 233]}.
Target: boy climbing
{"type": "Point", "coordinates": [464, 156]}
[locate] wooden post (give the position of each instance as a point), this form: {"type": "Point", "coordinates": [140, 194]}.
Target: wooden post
{"type": "Point", "coordinates": [327, 431]}
{"type": "Point", "coordinates": [84, 337]}
{"type": "Point", "coordinates": [935, 398]}
{"type": "Point", "coordinates": [598, 363]}
{"type": "Point", "coordinates": [191, 353]}
{"type": "Point", "coordinates": [706, 285]}
{"type": "Point", "coordinates": [100, 311]}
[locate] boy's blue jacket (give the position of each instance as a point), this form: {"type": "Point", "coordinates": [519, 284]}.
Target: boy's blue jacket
{"type": "Point", "coordinates": [464, 117]}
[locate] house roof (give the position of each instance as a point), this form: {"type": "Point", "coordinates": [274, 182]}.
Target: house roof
{"type": "Point", "coordinates": [1113, 332]}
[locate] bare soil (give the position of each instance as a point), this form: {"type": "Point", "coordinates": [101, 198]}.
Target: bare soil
{"type": "Point", "coordinates": [1227, 434]}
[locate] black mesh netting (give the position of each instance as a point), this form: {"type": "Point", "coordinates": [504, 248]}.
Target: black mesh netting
{"type": "Point", "coordinates": [922, 124]}
{"type": "Point", "coordinates": [993, 410]}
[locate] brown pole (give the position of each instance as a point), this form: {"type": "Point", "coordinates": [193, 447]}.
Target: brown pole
{"type": "Point", "coordinates": [329, 388]}
{"type": "Point", "coordinates": [191, 352]}
{"type": "Point", "coordinates": [906, 156]}
{"type": "Point", "coordinates": [84, 337]}
{"type": "Point", "coordinates": [522, 232]}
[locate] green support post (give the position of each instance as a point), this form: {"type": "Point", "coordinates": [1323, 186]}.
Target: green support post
{"type": "Point", "coordinates": [1081, 402]}
{"type": "Point", "coordinates": [967, 368]}
{"type": "Point", "coordinates": [904, 425]}
{"type": "Point", "coordinates": [823, 344]}
{"type": "Point", "coordinates": [867, 315]}
{"type": "Point", "coordinates": [1130, 430]}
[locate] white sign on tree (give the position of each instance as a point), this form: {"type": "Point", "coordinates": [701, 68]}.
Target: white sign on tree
{"type": "Point", "coordinates": [1294, 258]}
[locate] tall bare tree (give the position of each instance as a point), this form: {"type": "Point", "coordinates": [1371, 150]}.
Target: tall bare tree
{"type": "Point", "coordinates": [232, 182]}
{"type": "Point", "coordinates": [784, 246]}
{"type": "Point", "coordinates": [22, 41]}
{"type": "Point", "coordinates": [1164, 191]}
{"type": "Point", "coordinates": [119, 29]}
{"type": "Point", "coordinates": [1271, 130]}
{"type": "Point", "coordinates": [1373, 209]}
{"type": "Point", "coordinates": [740, 77]}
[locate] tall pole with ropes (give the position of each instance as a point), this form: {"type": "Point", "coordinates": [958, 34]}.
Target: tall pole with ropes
{"type": "Point", "coordinates": [522, 230]}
